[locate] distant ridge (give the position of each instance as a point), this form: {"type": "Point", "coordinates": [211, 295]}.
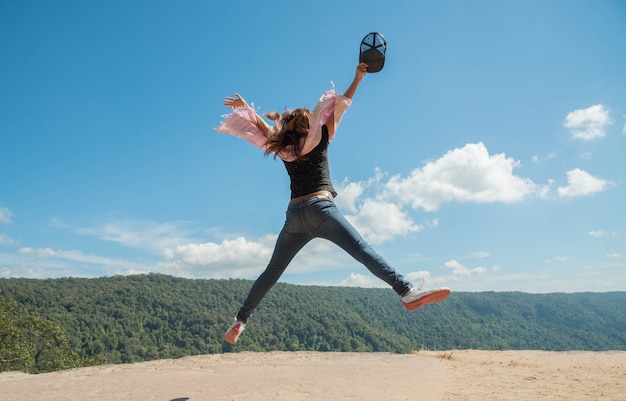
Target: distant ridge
{"type": "Point", "coordinates": [154, 316]}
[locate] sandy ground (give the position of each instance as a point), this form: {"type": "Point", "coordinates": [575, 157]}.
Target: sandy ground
{"type": "Point", "coordinates": [293, 376]}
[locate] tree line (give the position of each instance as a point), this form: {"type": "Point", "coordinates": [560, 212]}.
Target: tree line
{"type": "Point", "coordinates": [54, 324]}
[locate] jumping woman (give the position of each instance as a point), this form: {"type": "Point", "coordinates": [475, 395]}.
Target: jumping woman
{"type": "Point", "coordinates": [300, 139]}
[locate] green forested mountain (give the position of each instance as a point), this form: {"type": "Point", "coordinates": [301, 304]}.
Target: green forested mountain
{"type": "Point", "coordinates": [135, 318]}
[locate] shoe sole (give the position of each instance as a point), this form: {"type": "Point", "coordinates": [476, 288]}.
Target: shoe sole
{"type": "Point", "coordinates": [436, 296]}
{"type": "Point", "coordinates": [232, 336]}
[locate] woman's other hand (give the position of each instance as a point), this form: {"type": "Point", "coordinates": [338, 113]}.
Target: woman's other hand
{"type": "Point", "coordinates": [236, 102]}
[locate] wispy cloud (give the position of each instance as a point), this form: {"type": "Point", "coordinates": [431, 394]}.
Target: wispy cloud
{"type": "Point", "coordinates": [6, 240]}
{"type": "Point", "coordinates": [550, 156]}
{"type": "Point", "coordinates": [480, 255]}
{"type": "Point", "coordinates": [589, 123]}
{"type": "Point", "coordinates": [47, 262]}
{"type": "Point", "coordinates": [602, 233]}
{"type": "Point", "coordinates": [5, 215]}
{"type": "Point", "coordinates": [152, 236]}
{"type": "Point", "coordinates": [557, 259]}
{"type": "Point", "coordinates": [5, 218]}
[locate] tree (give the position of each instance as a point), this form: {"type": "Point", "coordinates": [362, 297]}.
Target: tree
{"type": "Point", "coordinates": [32, 344]}
{"type": "Point", "coordinates": [52, 348]}
{"type": "Point", "coordinates": [16, 352]}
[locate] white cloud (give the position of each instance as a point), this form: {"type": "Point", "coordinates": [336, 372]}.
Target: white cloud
{"type": "Point", "coordinates": [376, 219]}
{"type": "Point", "coordinates": [589, 123]}
{"type": "Point", "coordinates": [240, 250]}
{"type": "Point", "coordinates": [613, 255]}
{"type": "Point", "coordinates": [602, 233]}
{"type": "Point", "coordinates": [5, 215]}
{"type": "Point", "coordinates": [39, 252]}
{"type": "Point", "coordinates": [458, 270]}
{"type": "Point", "coordinates": [381, 221]}
{"type": "Point", "coordinates": [581, 183]}
{"type": "Point", "coordinates": [557, 259]}
{"type": "Point", "coordinates": [230, 258]}
{"type": "Point", "coordinates": [350, 192]}
{"type": "Point", "coordinates": [245, 258]}
{"type": "Point", "coordinates": [467, 174]}
{"type": "Point", "coordinates": [363, 281]}
{"type": "Point", "coordinates": [418, 279]}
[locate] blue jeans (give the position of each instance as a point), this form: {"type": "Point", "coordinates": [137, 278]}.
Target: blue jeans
{"type": "Point", "coordinates": [318, 218]}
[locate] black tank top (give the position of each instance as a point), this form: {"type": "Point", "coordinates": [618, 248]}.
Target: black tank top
{"type": "Point", "coordinates": [310, 173]}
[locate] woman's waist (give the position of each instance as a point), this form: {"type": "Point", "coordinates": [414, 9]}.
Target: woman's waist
{"type": "Point", "coordinates": [324, 194]}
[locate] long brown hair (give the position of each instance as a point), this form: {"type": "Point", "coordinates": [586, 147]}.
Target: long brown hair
{"type": "Point", "coordinates": [288, 131]}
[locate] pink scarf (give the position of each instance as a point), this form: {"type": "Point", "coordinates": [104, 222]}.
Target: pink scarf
{"type": "Point", "coordinates": [242, 122]}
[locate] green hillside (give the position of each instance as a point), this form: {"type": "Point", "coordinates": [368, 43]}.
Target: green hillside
{"type": "Point", "coordinates": [136, 318]}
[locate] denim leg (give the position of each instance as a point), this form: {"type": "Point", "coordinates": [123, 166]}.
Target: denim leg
{"type": "Point", "coordinates": [311, 219]}
{"type": "Point", "coordinates": [287, 246]}
{"type": "Point", "coordinates": [338, 230]}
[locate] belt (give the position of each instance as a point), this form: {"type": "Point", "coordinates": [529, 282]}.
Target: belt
{"type": "Point", "coordinates": [318, 195]}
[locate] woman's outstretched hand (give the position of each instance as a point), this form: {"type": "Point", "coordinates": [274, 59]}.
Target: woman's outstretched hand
{"type": "Point", "coordinates": [361, 70]}
{"type": "Point", "coordinates": [236, 102]}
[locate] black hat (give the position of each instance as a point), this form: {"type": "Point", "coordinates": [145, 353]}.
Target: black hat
{"type": "Point", "coordinates": [373, 49]}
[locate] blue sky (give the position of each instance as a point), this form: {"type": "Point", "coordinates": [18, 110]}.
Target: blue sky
{"type": "Point", "coordinates": [487, 155]}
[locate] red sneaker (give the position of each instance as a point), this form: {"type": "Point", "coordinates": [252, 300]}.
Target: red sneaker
{"type": "Point", "coordinates": [232, 335]}
{"type": "Point", "coordinates": [418, 297]}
